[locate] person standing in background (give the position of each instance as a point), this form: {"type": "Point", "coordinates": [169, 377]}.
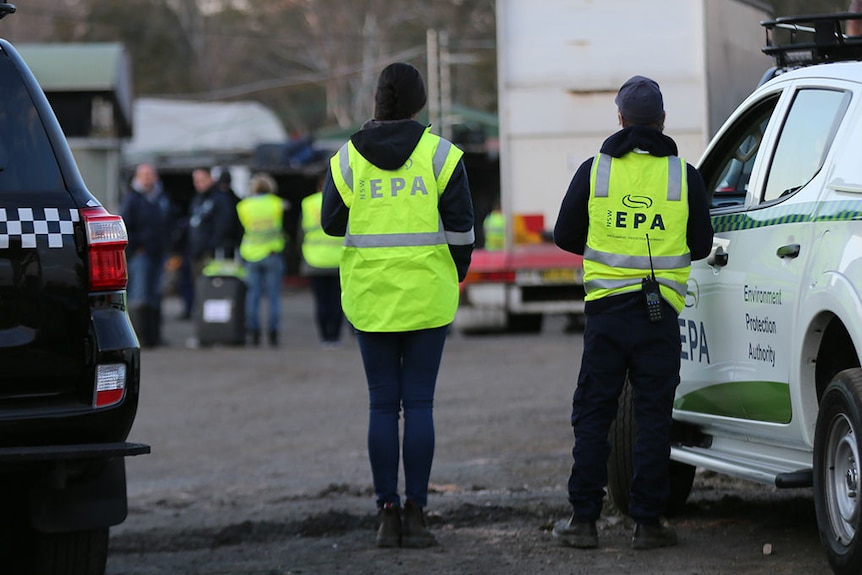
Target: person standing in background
{"type": "Point", "coordinates": [262, 218]}
{"type": "Point", "coordinates": [234, 234]}
{"type": "Point", "coordinates": [146, 210]}
{"type": "Point", "coordinates": [399, 195]}
{"type": "Point", "coordinates": [321, 254]}
{"type": "Point", "coordinates": [494, 229]}
{"type": "Point", "coordinates": [180, 262]}
{"type": "Point", "coordinates": [210, 221]}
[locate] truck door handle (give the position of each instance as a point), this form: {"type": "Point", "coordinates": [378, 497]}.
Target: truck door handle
{"type": "Point", "coordinates": [718, 258]}
{"type": "Point", "coordinates": [788, 251]}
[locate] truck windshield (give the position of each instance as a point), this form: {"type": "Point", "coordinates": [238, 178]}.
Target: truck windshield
{"type": "Point", "coordinates": [27, 160]}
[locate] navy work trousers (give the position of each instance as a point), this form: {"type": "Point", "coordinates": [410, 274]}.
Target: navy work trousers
{"type": "Point", "coordinates": [327, 306]}
{"type": "Point", "coordinates": [616, 344]}
{"type": "Point", "coordinates": [401, 369]}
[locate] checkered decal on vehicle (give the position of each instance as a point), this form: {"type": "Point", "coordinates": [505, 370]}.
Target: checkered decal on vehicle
{"type": "Point", "coordinates": [29, 225]}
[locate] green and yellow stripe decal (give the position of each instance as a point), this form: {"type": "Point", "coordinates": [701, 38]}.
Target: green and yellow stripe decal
{"type": "Point", "coordinates": [834, 211]}
{"type": "Point", "coordinates": [755, 400]}
{"type": "Point", "coordinates": [767, 401]}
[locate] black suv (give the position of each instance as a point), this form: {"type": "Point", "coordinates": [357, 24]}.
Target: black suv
{"type": "Point", "coordinates": [69, 358]}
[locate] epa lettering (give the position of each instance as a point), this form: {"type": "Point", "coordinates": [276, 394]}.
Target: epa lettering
{"type": "Point", "coordinates": [694, 345]}
{"type": "Point", "coordinates": [396, 185]}
{"type": "Point", "coordinates": [638, 220]}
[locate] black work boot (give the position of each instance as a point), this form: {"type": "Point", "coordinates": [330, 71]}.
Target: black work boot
{"type": "Point", "coordinates": [653, 536]}
{"type": "Point", "coordinates": [414, 533]}
{"type": "Point", "coordinates": [273, 339]}
{"type": "Point", "coordinates": [579, 534]}
{"type": "Point", "coordinates": [389, 531]}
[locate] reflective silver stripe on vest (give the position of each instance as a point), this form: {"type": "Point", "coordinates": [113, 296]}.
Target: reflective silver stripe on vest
{"type": "Point", "coordinates": [410, 240]}
{"type": "Point", "coordinates": [637, 262]}
{"type": "Point", "coordinates": [344, 163]}
{"type": "Point", "coordinates": [395, 240]}
{"type": "Point", "coordinates": [460, 238]}
{"type": "Point", "coordinates": [440, 156]}
{"type": "Point", "coordinates": [439, 237]}
{"type": "Point", "coordinates": [674, 177]}
{"type": "Point", "coordinates": [617, 284]}
{"type": "Point", "coordinates": [603, 176]}
{"type": "Point", "coordinates": [439, 161]}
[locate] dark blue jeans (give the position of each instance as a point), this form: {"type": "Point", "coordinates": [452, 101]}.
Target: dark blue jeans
{"type": "Point", "coordinates": [616, 344]}
{"type": "Point", "coordinates": [401, 369]}
{"type": "Point", "coordinates": [264, 278]}
{"type": "Point", "coordinates": [327, 306]}
{"type": "Point", "coordinates": [144, 287]}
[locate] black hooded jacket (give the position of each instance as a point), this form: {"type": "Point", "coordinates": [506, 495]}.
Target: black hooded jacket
{"type": "Point", "coordinates": [570, 231]}
{"type": "Point", "coordinates": [388, 145]}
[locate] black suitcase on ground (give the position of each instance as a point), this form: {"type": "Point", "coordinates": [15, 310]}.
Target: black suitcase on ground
{"type": "Point", "coordinates": [220, 312]}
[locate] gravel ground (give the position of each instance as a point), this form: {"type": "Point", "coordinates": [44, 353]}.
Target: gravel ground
{"type": "Point", "coordinates": [259, 466]}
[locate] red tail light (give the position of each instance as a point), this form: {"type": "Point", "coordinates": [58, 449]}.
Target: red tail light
{"type": "Point", "coordinates": [106, 241]}
{"type": "Point", "coordinates": [110, 384]}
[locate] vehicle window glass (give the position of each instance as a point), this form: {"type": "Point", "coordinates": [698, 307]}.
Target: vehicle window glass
{"type": "Point", "coordinates": [805, 138]}
{"type": "Point", "coordinates": [727, 169]}
{"type": "Point", "coordinates": [26, 157]}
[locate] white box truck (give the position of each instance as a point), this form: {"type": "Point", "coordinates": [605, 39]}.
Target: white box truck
{"type": "Point", "coordinates": [560, 64]}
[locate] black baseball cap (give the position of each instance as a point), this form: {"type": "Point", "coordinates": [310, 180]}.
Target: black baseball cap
{"type": "Point", "coordinates": [640, 101]}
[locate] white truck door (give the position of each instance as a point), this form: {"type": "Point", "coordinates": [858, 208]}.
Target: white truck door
{"type": "Point", "coordinates": [749, 291]}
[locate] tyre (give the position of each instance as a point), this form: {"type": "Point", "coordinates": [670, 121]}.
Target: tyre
{"type": "Point", "coordinates": [25, 551]}
{"type": "Point", "coordinates": [837, 449]}
{"type": "Point", "coordinates": [621, 461]}
{"type": "Point", "coordinates": [75, 553]}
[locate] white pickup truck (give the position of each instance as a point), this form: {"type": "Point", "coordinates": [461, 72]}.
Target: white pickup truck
{"type": "Point", "coordinates": [771, 384]}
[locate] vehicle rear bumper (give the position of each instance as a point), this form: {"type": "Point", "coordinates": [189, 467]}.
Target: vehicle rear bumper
{"type": "Point", "coordinates": [40, 453]}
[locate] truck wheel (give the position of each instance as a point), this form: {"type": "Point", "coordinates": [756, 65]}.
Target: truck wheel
{"type": "Point", "coordinates": [621, 462]}
{"type": "Point", "coordinates": [524, 322]}
{"type": "Point", "coordinates": [622, 440]}
{"type": "Point", "coordinates": [74, 553]}
{"type": "Point", "coordinates": [837, 448]}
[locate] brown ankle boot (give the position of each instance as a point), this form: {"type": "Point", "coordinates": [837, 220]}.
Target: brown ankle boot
{"type": "Point", "coordinates": [389, 531]}
{"type": "Point", "coordinates": [414, 533]}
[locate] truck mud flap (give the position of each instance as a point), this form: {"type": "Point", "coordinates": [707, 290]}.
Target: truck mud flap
{"type": "Point", "coordinates": [70, 487]}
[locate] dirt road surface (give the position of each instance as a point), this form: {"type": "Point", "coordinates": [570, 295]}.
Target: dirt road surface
{"type": "Point", "coordinates": [259, 466]}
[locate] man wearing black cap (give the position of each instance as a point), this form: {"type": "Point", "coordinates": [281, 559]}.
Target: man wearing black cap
{"type": "Point", "coordinates": [639, 216]}
{"type": "Point", "coordinates": [399, 196]}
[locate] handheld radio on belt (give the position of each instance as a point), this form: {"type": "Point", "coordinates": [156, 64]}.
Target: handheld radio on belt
{"type": "Point", "coordinates": [652, 293]}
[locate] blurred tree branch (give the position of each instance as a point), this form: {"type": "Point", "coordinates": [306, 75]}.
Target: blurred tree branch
{"type": "Point", "coordinates": [315, 62]}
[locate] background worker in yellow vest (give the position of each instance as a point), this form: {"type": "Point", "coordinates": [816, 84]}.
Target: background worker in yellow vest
{"type": "Point", "coordinates": [635, 198]}
{"type": "Point", "coordinates": [494, 229]}
{"type": "Point", "coordinates": [263, 241]}
{"type": "Point", "coordinates": [321, 254]}
{"type": "Point", "coordinates": [399, 196]}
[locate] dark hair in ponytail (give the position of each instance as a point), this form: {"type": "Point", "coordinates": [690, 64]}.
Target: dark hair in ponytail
{"type": "Point", "coordinates": [400, 92]}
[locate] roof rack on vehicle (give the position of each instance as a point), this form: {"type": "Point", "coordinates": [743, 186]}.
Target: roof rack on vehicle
{"type": "Point", "coordinates": [813, 39]}
{"type": "Point", "coordinates": [6, 9]}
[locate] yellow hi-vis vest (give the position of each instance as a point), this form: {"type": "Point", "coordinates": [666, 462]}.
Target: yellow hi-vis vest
{"type": "Point", "coordinates": [397, 273]}
{"type": "Point", "coordinates": [261, 218]}
{"type": "Point", "coordinates": [633, 197]}
{"type": "Point", "coordinates": [495, 231]}
{"type": "Point", "coordinates": [319, 249]}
